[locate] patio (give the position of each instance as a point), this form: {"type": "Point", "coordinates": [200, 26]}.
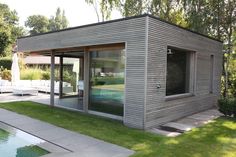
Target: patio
{"type": "Point", "coordinates": [70, 103]}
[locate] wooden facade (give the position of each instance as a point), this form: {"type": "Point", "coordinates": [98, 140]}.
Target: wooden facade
{"type": "Point", "coordinates": [145, 39]}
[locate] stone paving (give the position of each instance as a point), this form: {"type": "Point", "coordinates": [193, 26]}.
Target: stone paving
{"type": "Point", "coordinates": [62, 142]}
{"type": "Point", "coordinates": [43, 98]}
{"type": "Point", "coordinates": [179, 126]}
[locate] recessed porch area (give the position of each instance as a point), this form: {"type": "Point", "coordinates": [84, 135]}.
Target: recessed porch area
{"type": "Point", "coordinates": [90, 79]}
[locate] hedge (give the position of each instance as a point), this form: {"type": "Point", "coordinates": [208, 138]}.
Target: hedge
{"type": "Point", "coordinates": [227, 107]}
{"type": "Point", "coordinates": [6, 63]}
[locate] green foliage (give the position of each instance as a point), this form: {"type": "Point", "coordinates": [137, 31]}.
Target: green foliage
{"type": "Point", "coordinates": [104, 6]}
{"type": "Point", "coordinates": [227, 106]}
{"type": "Point", "coordinates": [4, 135]}
{"type": "Point", "coordinates": [9, 29]}
{"type": "Point", "coordinates": [68, 76]}
{"type": "Point", "coordinates": [46, 75]}
{"type": "Point", "coordinates": [232, 76]}
{"type": "Point", "coordinates": [37, 24]}
{"type": "Point", "coordinates": [4, 40]}
{"type": "Point", "coordinates": [6, 62]}
{"type": "Point", "coordinates": [133, 7]}
{"type": "Point", "coordinates": [58, 22]}
{"type": "Point", "coordinates": [41, 24]}
{"type": "Point", "coordinates": [34, 73]}
{"type": "Point", "coordinates": [31, 74]}
{"type": "Point", "coordinates": [5, 74]}
{"type": "Point", "coordinates": [30, 151]}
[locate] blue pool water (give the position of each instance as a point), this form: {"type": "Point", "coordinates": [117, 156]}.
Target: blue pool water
{"type": "Point", "coordinates": [16, 143]}
{"type": "Point", "coordinates": [106, 94]}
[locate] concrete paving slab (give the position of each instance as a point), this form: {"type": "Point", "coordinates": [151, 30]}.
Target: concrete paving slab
{"type": "Point", "coordinates": [35, 127]}
{"type": "Point", "coordinates": [59, 154]}
{"type": "Point", "coordinates": [202, 117]}
{"type": "Point", "coordinates": [53, 133]}
{"type": "Point", "coordinates": [178, 126]}
{"type": "Point", "coordinates": [77, 142]}
{"type": "Point", "coordinates": [191, 121]}
{"type": "Point", "coordinates": [20, 121]}
{"type": "Point", "coordinates": [164, 133]}
{"type": "Point", "coordinates": [111, 151]}
{"type": "Point", "coordinates": [53, 148]}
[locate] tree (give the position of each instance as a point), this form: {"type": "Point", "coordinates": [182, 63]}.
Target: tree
{"type": "Point", "coordinates": [37, 24]}
{"type": "Point", "coordinates": [228, 25]}
{"type": "Point", "coordinates": [133, 7]}
{"type": "Point", "coordinates": [59, 21]}
{"type": "Point", "coordinates": [9, 29]}
{"type": "Point", "coordinates": [103, 7]}
{"type": "Point", "coordinates": [94, 3]}
{"type": "Point", "coordinates": [41, 24]}
{"type": "Point", "coordinates": [169, 10]}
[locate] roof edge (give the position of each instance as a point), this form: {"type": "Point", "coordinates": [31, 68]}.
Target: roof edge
{"type": "Point", "coordinates": [187, 29]}
{"type": "Point", "coordinates": [122, 19]}
{"type": "Point", "coordinates": [87, 25]}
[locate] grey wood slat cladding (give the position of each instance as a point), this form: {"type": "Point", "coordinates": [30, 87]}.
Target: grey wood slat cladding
{"type": "Point", "coordinates": [146, 40]}
{"type": "Point", "coordinates": [161, 35]}
{"type": "Point", "coordinates": [131, 32]}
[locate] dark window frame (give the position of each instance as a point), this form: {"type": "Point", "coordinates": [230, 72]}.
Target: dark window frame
{"type": "Point", "coordinates": [190, 75]}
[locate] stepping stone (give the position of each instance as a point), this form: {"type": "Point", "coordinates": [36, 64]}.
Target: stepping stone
{"type": "Point", "coordinates": [165, 133]}
{"type": "Point", "coordinates": [202, 117]}
{"type": "Point", "coordinates": [177, 126]}
{"type": "Point", "coordinates": [191, 122]}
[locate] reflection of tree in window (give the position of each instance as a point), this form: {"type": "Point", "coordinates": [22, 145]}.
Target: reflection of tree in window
{"type": "Point", "coordinates": [177, 61]}
{"type": "Point", "coordinates": [107, 81]}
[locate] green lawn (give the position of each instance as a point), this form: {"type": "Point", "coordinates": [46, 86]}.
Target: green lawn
{"type": "Point", "coordinates": [216, 139]}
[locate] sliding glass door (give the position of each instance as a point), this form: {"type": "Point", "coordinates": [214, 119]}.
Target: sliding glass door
{"type": "Point", "coordinates": [107, 73]}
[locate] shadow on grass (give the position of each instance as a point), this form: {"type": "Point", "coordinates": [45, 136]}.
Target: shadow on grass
{"type": "Point", "coordinates": [216, 139]}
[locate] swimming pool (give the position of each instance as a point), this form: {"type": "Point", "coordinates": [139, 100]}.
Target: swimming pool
{"type": "Point", "coordinates": [16, 143]}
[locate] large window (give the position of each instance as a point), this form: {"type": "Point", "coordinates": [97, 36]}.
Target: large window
{"type": "Point", "coordinates": [178, 71]}
{"type": "Point", "coordinates": [107, 81]}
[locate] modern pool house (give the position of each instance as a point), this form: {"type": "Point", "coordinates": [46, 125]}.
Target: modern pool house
{"type": "Point", "coordinates": [141, 70]}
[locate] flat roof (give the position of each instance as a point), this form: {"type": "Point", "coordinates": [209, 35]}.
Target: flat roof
{"type": "Point", "coordinates": [122, 19]}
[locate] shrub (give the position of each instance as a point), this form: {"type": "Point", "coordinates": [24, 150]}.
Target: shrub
{"type": "Point", "coordinates": [6, 63]}
{"type": "Point", "coordinates": [46, 75]}
{"type": "Point", "coordinates": [5, 74]}
{"type": "Point", "coordinates": [31, 74]}
{"type": "Point", "coordinates": [227, 106]}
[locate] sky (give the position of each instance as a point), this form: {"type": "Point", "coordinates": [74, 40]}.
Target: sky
{"type": "Point", "coordinates": [77, 11]}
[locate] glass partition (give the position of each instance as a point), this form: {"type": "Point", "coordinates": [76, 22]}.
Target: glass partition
{"type": "Point", "coordinates": [71, 75]}
{"type": "Point", "coordinates": [107, 73]}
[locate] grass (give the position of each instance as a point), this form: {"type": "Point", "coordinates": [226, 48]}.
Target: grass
{"type": "Point", "coordinates": [216, 139]}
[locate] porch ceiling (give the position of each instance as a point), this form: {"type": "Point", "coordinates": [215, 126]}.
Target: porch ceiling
{"type": "Point", "coordinates": [77, 51]}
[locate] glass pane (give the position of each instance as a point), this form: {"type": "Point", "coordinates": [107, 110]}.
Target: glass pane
{"type": "Point", "coordinates": [177, 72]}
{"type": "Point", "coordinates": [71, 71]}
{"type": "Point", "coordinates": [107, 81]}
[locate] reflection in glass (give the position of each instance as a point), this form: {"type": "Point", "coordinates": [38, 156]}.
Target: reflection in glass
{"type": "Point", "coordinates": [107, 81]}
{"type": "Point", "coordinates": [177, 71]}
{"type": "Point", "coordinates": [71, 74]}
